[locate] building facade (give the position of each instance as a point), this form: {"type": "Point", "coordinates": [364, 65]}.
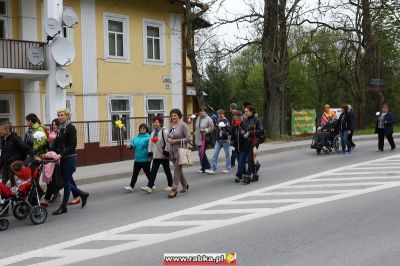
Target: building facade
{"type": "Point", "coordinates": [128, 63]}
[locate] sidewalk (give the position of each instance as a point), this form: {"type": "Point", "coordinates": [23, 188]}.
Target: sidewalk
{"type": "Point", "coordinates": [123, 169]}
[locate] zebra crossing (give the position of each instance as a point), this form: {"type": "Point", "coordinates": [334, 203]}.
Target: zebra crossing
{"type": "Point", "coordinates": [336, 184]}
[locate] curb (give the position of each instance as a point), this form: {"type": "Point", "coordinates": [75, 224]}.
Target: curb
{"type": "Point", "coordinates": [126, 174]}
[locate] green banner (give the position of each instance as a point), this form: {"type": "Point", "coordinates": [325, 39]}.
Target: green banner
{"type": "Point", "coordinates": [303, 122]}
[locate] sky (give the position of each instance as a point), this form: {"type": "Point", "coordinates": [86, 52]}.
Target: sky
{"type": "Point", "coordinates": [229, 9]}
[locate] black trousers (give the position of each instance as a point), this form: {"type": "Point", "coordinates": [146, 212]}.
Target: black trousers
{"type": "Point", "coordinates": [154, 169]}
{"type": "Point", "coordinates": [350, 139]}
{"type": "Point", "coordinates": [233, 158]}
{"type": "Point", "coordinates": [137, 166]}
{"type": "Point", "coordinates": [381, 139]}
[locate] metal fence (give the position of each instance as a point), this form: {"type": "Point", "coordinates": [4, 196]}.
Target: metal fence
{"type": "Point", "coordinates": [103, 141]}
{"type": "Point", "coordinates": [14, 54]}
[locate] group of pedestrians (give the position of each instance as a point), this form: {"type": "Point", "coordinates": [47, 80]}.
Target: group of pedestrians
{"type": "Point", "coordinates": [346, 125]}
{"type": "Point", "coordinates": [60, 139]}
{"type": "Point", "coordinates": [244, 132]}
{"type": "Point", "coordinates": [159, 148]}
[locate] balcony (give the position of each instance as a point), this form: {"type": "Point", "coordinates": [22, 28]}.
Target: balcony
{"type": "Point", "coordinates": [13, 54]}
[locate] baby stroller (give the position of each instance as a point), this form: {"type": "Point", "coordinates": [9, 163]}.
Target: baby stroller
{"type": "Point", "coordinates": [327, 138]}
{"type": "Point", "coordinates": [25, 202]}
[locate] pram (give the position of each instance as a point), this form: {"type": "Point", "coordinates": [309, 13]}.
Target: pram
{"type": "Point", "coordinates": [327, 138]}
{"type": "Point", "coordinates": [25, 202]}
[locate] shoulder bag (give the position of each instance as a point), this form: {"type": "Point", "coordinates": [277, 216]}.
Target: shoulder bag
{"type": "Point", "coordinates": [184, 155]}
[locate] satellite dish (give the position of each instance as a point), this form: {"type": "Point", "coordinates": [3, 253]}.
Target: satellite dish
{"type": "Point", "coordinates": [69, 17]}
{"type": "Point", "coordinates": [35, 55]}
{"type": "Point", "coordinates": [52, 27]}
{"type": "Point", "coordinates": [63, 78]}
{"type": "Point", "coordinates": [63, 51]}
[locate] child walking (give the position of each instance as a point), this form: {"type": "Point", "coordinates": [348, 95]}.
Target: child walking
{"type": "Point", "coordinates": [140, 145]}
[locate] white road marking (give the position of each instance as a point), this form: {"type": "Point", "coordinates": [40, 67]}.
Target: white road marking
{"type": "Point", "coordinates": [65, 253]}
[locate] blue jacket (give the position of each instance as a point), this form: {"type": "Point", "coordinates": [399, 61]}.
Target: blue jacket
{"type": "Point", "coordinates": [140, 145]}
{"type": "Point", "coordinates": [389, 120]}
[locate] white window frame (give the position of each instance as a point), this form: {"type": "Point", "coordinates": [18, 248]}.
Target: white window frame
{"type": "Point", "coordinates": [159, 112]}
{"type": "Point", "coordinates": [71, 99]}
{"type": "Point", "coordinates": [161, 25]}
{"type": "Point", "coordinates": [110, 113]}
{"type": "Point", "coordinates": [126, 47]}
{"type": "Point", "coordinates": [11, 99]}
{"type": "Point", "coordinates": [7, 19]}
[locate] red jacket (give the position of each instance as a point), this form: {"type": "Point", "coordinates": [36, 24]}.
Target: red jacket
{"type": "Point", "coordinates": [24, 174]}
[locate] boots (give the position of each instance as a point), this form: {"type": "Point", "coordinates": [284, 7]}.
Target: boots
{"type": "Point", "coordinates": [255, 178]}
{"type": "Point", "coordinates": [246, 179]}
{"type": "Point", "coordinates": [61, 210]}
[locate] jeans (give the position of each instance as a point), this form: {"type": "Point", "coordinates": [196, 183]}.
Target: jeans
{"type": "Point", "coordinates": [241, 157]}
{"type": "Point", "coordinates": [249, 158]}
{"type": "Point", "coordinates": [154, 169]}
{"type": "Point", "coordinates": [205, 164]}
{"type": "Point", "coordinates": [344, 137]}
{"type": "Point", "coordinates": [68, 166]}
{"type": "Point", "coordinates": [219, 144]}
{"type": "Point", "coordinates": [6, 173]}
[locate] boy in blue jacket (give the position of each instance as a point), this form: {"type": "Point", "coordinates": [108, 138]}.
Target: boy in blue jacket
{"type": "Point", "coordinates": [140, 145]}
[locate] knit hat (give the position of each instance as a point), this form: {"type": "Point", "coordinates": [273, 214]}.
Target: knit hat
{"type": "Point", "coordinates": [233, 106]}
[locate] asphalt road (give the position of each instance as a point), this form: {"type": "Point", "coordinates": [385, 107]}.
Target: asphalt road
{"type": "Point", "coordinates": [359, 230]}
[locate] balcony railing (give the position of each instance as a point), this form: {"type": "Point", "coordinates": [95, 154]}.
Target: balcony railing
{"type": "Point", "coordinates": [14, 54]}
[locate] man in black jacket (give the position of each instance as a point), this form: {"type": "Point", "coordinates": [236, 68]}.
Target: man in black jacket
{"type": "Point", "coordinates": [12, 149]}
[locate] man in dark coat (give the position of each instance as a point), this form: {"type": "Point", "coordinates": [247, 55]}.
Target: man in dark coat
{"type": "Point", "coordinates": [384, 127]}
{"type": "Point", "coordinates": [12, 149]}
{"type": "Point", "coordinates": [351, 113]}
{"type": "Point", "coordinates": [346, 126]}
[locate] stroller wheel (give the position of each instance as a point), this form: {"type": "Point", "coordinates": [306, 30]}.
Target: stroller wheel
{"type": "Point", "coordinates": [21, 210]}
{"type": "Point", "coordinates": [38, 215]}
{"type": "Point", "coordinates": [4, 223]}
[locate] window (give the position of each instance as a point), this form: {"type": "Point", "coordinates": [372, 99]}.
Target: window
{"type": "Point", "coordinates": [154, 106]}
{"type": "Point", "coordinates": [120, 108]}
{"type": "Point", "coordinates": [116, 41]}
{"type": "Point", "coordinates": [7, 108]}
{"type": "Point", "coordinates": [2, 28]}
{"type": "Point", "coordinates": [154, 41]}
{"type": "Point", "coordinates": [3, 9]}
{"type": "Point", "coordinates": [70, 105]}
{"type": "Point", "coordinates": [3, 19]}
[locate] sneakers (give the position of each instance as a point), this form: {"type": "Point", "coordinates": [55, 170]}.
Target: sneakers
{"type": "Point", "coordinates": [200, 171]}
{"type": "Point", "coordinates": [168, 188]}
{"type": "Point", "coordinates": [154, 188]}
{"type": "Point", "coordinates": [147, 189]}
{"type": "Point", "coordinates": [129, 189]}
{"type": "Point", "coordinates": [226, 171]}
{"type": "Point", "coordinates": [211, 172]}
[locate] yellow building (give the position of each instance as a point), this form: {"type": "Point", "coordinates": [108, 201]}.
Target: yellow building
{"type": "Point", "coordinates": [128, 62]}
{"type": "Point", "coordinates": [128, 59]}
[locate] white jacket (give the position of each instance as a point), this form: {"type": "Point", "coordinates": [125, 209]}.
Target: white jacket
{"type": "Point", "coordinates": [157, 147]}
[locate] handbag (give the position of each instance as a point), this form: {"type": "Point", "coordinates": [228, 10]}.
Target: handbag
{"type": "Point", "coordinates": [184, 155]}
